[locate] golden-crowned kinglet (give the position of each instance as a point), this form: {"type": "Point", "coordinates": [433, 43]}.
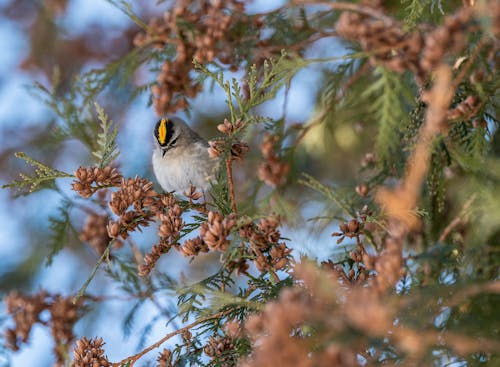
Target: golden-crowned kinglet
{"type": "Point", "coordinates": [180, 157]}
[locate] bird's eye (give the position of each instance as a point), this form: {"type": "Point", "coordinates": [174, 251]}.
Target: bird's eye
{"type": "Point", "coordinates": [172, 143]}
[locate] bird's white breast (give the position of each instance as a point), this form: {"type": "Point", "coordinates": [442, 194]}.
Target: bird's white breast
{"type": "Point", "coordinates": [180, 168]}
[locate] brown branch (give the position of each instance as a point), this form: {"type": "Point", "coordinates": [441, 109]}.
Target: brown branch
{"type": "Point", "coordinates": [130, 361]}
{"type": "Point", "coordinates": [473, 290]}
{"type": "Point", "coordinates": [400, 204]}
{"type": "Point", "coordinates": [268, 51]}
{"type": "Point", "coordinates": [417, 342]}
{"type": "Point", "coordinates": [230, 183]}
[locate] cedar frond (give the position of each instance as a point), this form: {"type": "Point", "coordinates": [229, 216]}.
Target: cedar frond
{"type": "Point", "coordinates": [106, 140]}
{"type": "Point", "coordinates": [43, 176]}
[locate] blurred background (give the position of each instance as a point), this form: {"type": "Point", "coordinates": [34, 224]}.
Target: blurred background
{"type": "Point", "coordinates": [48, 39]}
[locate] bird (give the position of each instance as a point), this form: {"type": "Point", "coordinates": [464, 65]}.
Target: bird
{"type": "Point", "coordinates": [180, 157]}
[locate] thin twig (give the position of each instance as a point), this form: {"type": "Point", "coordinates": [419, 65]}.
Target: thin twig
{"type": "Point", "coordinates": [358, 8]}
{"type": "Point", "coordinates": [105, 255]}
{"type": "Point", "coordinates": [229, 169]}
{"type": "Point", "coordinates": [275, 276]}
{"type": "Point", "coordinates": [469, 63]}
{"type": "Point", "coordinates": [285, 104]}
{"type": "Point", "coordinates": [458, 220]}
{"type": "Point", "coordinates": [130, 361]}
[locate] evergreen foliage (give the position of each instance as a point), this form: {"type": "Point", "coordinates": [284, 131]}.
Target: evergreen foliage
{"type": "Point", "coordinates": [106, 140]}
{"type": "Point", "coordinates": [43, 176]}
{"type": "Point", "coordinates": [389, 100]}
{"type": "Point", "coordinates": [413, 275]}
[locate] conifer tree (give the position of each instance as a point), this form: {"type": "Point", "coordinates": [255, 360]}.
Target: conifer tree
{"type": "Point", "coordinates": [399, 161]}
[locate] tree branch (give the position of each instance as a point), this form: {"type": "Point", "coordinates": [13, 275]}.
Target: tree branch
{"type": "Point", "coordinates": [230, 183]}
{"type": "Point", "coordinates": [130, 361]}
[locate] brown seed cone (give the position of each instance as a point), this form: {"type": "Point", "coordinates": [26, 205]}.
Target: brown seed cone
{"type": "Point", "coordinates": [151, 258]}
{"type": "Point", "coordinates": [89, 353]}
{"type": "Point", "coordinates": [261, 262]}
{"type": "Point", "coordinates": [255, 236]}
{"type": "Point", "coordinates": [193, 247]}
{"type": "Point", "coordinates": [267, 145]}
{"type": "Point", "coordinates": [204, 38]}
{"type": "Point", "coordinates": [64, 314]}
{"type": "Point", "coordinates": [132, 191]}
{"type": "Point", "coordinates": [128, 222]}
{"type": "Point", "coordinates": [239, 150]}
{"type": "Point", "coordinates": [164, 359]}
{"type": "Point", "coordinates": [218, 345]}
{"type": "Point", "coordinates": [171, 223]}
{"type": "Point", "coordinates": [362, 189]}
{"type": "Point", "coordinates": [25, 311]}
{"type": "Point", "coordinates": [216, 148]}
{"type": "Point", "coordinates": [269, 227]}
{"type": "Point", "coordinates": [216, 229]}
{"type": "Point", "coordinates": [113, 229]}
{"type": "Point", "coordinates": [241, 266]}
{"type": "Point", "coordinates": [226, 127]}
{"type": "Point", "coordinates": [280, 251]}
{"type": "Point", "coordinates": [353, 226]}
{"type": "Point", "coordinates": [91, 179]}
{"type": "Point", "coordinates": [192, 194]}
{"type": "Point", "coordinates": [95, 232]}
{"type": "Point", "coordinates": [273, 172]}
{"type": "Point", "coordinates": [158, 203]}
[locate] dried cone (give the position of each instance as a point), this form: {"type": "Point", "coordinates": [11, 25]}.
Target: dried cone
{"type": "Point", "coordinates": [226, 127]}
{"type": "Point", "coordinates": [362, 189]}
{"type": "Point", "coordinates": [171, 223]}
{"type": "Point", "coordinates": [279, 255]}
{"type": "Point", "coordinates": [238, 150]}
{"type": "Point", "coordinates": [164, 359]}
{"type": "Point", "coordinates": [91, 179]}
{"type": "Point", "coordinates": [193, 247]}
{"type": "Point", "coordinates": [217, 346]}
{"type": "Point", "coordinates": [89, 353]}
{"type": "Point", "coordinates": [269, 227]}
{"type": "Point", "coordinates": [208, 27]}
{"type": "Point", "coordinates": [96, 232]}
{"type": "Point", "coordinates": [216, 229]}
{"type": "Point", "coordinates": [25, 311]}
{"type": "Point", "coordinates": [216, 148]}
{"type": "Point", "coordinates": [272, 170]}
{"type": "Point", "coordinates": [132, 191]}
{"type": "Point", "coordinates": [192, 194]}
{"type": "Point", "coordinates": [151, 258]}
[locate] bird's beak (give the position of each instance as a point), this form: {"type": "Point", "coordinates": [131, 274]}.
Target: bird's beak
{"type": "Point", "coordinates": [163, 152]}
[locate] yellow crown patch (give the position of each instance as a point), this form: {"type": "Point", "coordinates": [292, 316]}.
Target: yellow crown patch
{"type": "Point", "coordinates": [162, 131]}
